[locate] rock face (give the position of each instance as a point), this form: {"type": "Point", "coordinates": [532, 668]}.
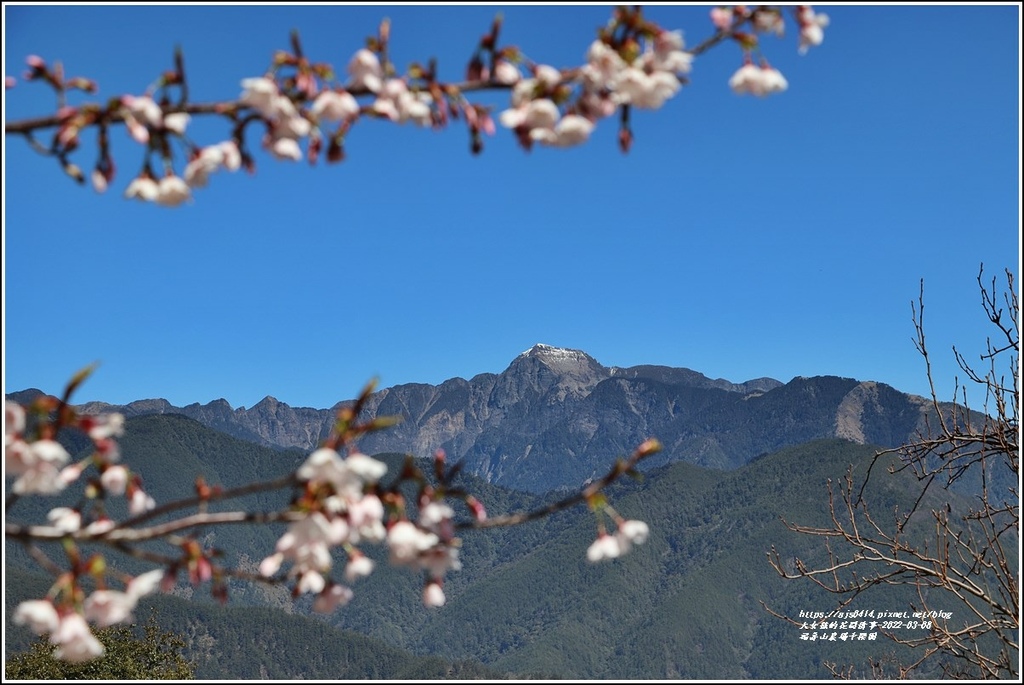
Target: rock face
{"type": "Point", "coordinates": [556, 417]}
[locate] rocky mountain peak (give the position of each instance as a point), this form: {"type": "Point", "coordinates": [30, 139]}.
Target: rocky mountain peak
{"type": "Point", "coordinates": [545, 368]}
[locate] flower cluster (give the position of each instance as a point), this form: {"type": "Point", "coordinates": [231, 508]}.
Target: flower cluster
{"type": "Point", "coordinates": [69, 630]}
{"type": "Point", "coordinates": [305, 110]}
{"type": "Point", "coordinates": [617, 74]}
{"type": "Point", "coordinates": [342, 507]}
{"type": "Point", "coordinates": [338, 512]}
{"type": "Point", "coordinates": [811, 27]}
{"type": "Point", "coordinates": [41, 463]}
{"type": "Point", "coordinates": [608, 546]}
{"type": "Point", "coordinates": [761, 81]}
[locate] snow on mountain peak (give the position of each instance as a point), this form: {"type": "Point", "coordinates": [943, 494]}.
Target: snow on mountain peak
{"type": "Point", "coordinates": [553, 353]}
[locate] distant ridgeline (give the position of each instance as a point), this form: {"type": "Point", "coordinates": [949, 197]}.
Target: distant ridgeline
{"type": "Point", "coordinates": [556, 417]}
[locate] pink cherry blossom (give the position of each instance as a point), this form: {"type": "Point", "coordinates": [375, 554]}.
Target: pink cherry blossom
{"type": "Point", "coordinates": [772, 80]}
{"type": "Point", "coordinates": [769, 21]}
{"type": "Point", "coordinates": [42, 478]}
{"type": "Point", "coordinates": [311, 581]}
{"type": "Point", "coordinates": [114, 480]}
{"type": "Point", "coordinates": [65, 519]}
{"type": "Point", "coordinates": [604, 547]}
{"type": "Point", "coordinates": [17, 457]}
{"type": "Point", "coordinates": [144, 109]}
{"type": "Point", "coordinates": [506, 73]}
{"type": "Point", "coordinates": [172, 191]}
{"type": "Point", "coordinates": [406, 542]}
{"type": "Point", "coordinates": [548, 76]}
{"type": "Point", "coordinates": [285, 149]}
{"type": "Point", "coordinates": [107, 607]}
{"type": "Point", "coordinates": [210, 159]}
{"type": "Point", "coordinates": [106, 426]}
{"type": "Point", "coordinates": [811, 27]}
{"type": "Point", "coordinates": [433, 595]}
{"type": "Point", "coordinates": [721, 17]}
{"type": "Point", "coordinates": [438, 560]}
{"type": "Point", "coordinates": [306, 544]}
{"type": "Point", "coordinates": [434, 515]}
{"type": "Point", "coordinates": [99, 181]}
{"type": "Point", "coordinates": [99, 527]}
{"type": "Point", "coordinates": [366, 519]}
{"type": "Point", "coordinates": [232, 157]}
{"type": "Point", "coordinates": [140, 502]}
{"type": "Point", "coordinates": [603, 66]}
{"type": "Point", "coordinates": [358, 566]}
{"type": "Point", "coordinates": [572, 129]}
{"type": "Point", "coordinates": [75, 642]}
{"type": "Point", "coordinates": [334, 106]}
{"type": "Point", "coordinates": [326, 465]}
{"type": "Point", "coordinates": [632, 533]}
{"type": "Point", "coordinates": [260, 94]}
{"type": "Point", "coordinates": [759, 81]}
{"type": "Point", "coordinates": [271, 564]}
{"type": "Point", "coordinates": [177, 122]}
{"type": "Point", "coordinates": [39, 614]}
{"type": "Point", "coordinates": [370, 470]}
{"type": "Point", "coordinates": [145, 583]}
{"type": "Point", "coordinates": [366, 71]}
{"type": "Point", "coordinates": [38, 464]}
{"type": "Point", "coordinates": [14, 420]}
{"type": "Point", "coordinates": [331, 598]}
{"type": "Point", "coordinates": [69, 474]}
{"type": "Point", "coordinates": [142, 188]}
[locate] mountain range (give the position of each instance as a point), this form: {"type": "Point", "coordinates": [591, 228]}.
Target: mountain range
{"type": "Point", "coordinates": [557, 417]}
{"type": "Point", "coordinates": [688, 604]}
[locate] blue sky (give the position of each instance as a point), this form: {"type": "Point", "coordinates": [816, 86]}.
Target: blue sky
{"type": "Point", "coordinates": [741, 237]}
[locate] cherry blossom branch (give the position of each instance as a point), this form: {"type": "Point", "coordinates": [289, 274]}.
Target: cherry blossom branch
{"type": "Point", "coordinates": [634, 63]}
{"type": "Point", "coordinates": [587, 495]}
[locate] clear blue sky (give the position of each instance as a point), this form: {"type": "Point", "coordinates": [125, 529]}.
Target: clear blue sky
{"type": "Point", "coordinates": [741, 237]}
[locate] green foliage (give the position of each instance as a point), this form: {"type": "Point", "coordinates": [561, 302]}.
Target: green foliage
{"type": "Point", "coordinates": [149, 653]}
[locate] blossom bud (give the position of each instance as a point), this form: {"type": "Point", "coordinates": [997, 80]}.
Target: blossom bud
{"type": "Point", "coordinates": [433, 595]}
